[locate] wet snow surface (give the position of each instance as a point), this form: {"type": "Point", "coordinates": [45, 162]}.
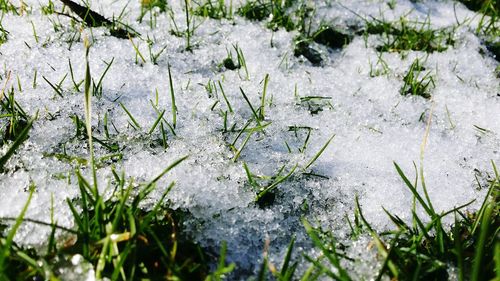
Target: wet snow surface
{"type": "Point", "coordinates": [373, 123]}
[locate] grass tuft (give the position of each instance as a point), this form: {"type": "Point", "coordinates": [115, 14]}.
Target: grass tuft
{"type": "Point", "coordinates": [416, 82]}
{"type": "Point", "coordinates": [403, 35]}
{"type": "Point", "coordinates": [215, 9]}
{"type": "Point", "coordinates": [275, 10]}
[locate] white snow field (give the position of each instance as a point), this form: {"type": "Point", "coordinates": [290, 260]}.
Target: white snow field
{"type": "Point", "coordinates": [373, 124]}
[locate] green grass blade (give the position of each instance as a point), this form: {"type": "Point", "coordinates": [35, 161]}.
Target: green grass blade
{"type": "Point", "coordinates": [251, 181]}
{"type": "Point", "coordinates": [330, 254]}
{"type": "Point", "coordinates": [263, 270]}
{"type": "Point", "coordinates": [263, 98]}
{"type": "Point", "coordinates": [118, 214]}
{"type": "Point", "coordinates": [172, 97]}
{"type": "Point", "coordinates": [319, 152]}
{"type": "Point", "coordinates": [275, 184]}
{"type": "Point", "coordinates": [483, 234]}
{"type": "Point", "coordinates": [458, 250]}
{"type": "Point", "coordinates": [483, 207]}
{"type": "Point", "coordinates": [29, 260]}
{"type": "Point", "coordinates": [413, 190]}
{"type": "Point", "coordinates": [387, 259]}
{"type": "Point", "coordinates": [16, 144]}
{"type": "Point", "coordinates": [6, 247]}
{"type": "Point", "coordinates": [76, 85]}
{"type": "Point", "coordinates": [240, 133]}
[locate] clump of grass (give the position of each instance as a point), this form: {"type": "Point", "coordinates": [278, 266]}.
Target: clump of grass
{"type": "Point", "coordinates": [215, 9]}
{"type": "Point", "coordinates": [488, 28]}
{"type": "Point", "coordinates": [403, 35]}
{"type": "Point", "coordinates": [380, 68]}
{"type": "Point", "coordinates": [113, 233]}
{"type": "Point", "coordinates": [425, 250]}
{"type": "Point", "coordinates": [97, 87]}
{"type": "Point", "coordinates": [265, 186]}
{"type": "Point", "coordinates": [15, 123]}
{"type": "Point", "coordinates": [488, 7]}
{"type": "Point", "coordinates": [231, 63]}
{"type": "Point", "coordinates": [126, 242]}
{"type": "Point", "coordinates": [118, 237]}
{"type": "Point", "coordinates": [416, 82]}
{"type": "Point", "coordinates": [20, 138]}
{"type": "Point", "coordinates": [327, 244]}
{"type": "Point", "coordinates": [275, 10]}
{"type": "Point", "coordinates": [296, 15]}
{"type": "Point", "coordinates": [16, 117]}
{"type": "Point", "coordinates": [121, 239]}
{"type": "Point", "coordinates": [3, 32]}
{"type": "Point", "coordinates": [48, 9]}
{"type": "Point", "coordinates": [7, 6]}
{"type": "Point", "coordinates": [152, 55]}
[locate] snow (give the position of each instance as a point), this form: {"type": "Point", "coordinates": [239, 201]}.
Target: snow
{"type": "Point", "coordinates": [373, 124]}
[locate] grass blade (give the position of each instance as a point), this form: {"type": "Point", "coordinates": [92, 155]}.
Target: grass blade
{"type": "Point", "coordinates": [57, 90]}
{"type": "Point", "coordinates": [6, 247]}
{"type": "Point", "coordinates": [413, 190]}
{"type": "Point", "coordinates": [17, 143]}
{"type": "Point", "coordinates": [156, 122]}
{"type": "Point", "coordinates": [157, 178]}
{"type": "Point", "coordinates": [225, 98]}
{"type": "Point", "coordinates": [135, 124]}
{"type": "Point", "coordinates": [484, 231]}
{"type": "Point", "coordinates": [263, 99]}
{"type": "Point", "coordinates": [88, 113]}
{"type": "Point", "coordinates": [275, 184]}
{"type": "Point", "coordinates": [256, 117]}
{"type": "Point", "coordinates": [288, 256]}
{"type": "Point", "coordinates": [319, 153]}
